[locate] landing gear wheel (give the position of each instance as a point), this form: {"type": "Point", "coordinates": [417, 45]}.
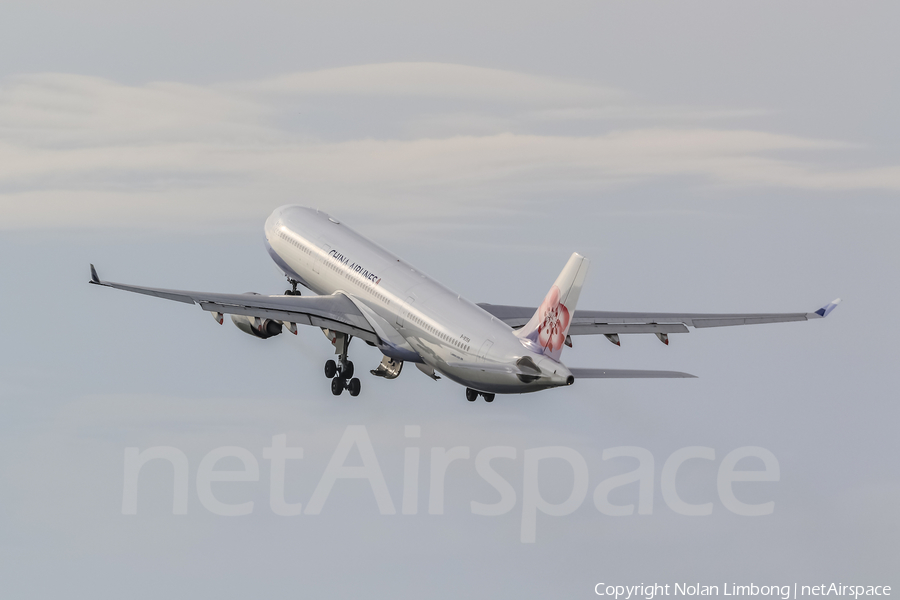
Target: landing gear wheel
{"type": "Point", "coordinates": [471, 395]}
{"type": "Point", "coordinates": [288, 293]}
{"type": "Point", "coordinates": [488, 397]}
{"type": "Point", "coordinates": [337, 386]}
{"type": "Point", "coordinates": [347, 370]}
{"type": "Point", "coordinates": [330, 369]}
{"type": "Point", "coordinates": [354, 387]}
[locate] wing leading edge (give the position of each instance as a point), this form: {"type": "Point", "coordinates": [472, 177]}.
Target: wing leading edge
{"type": "Point", "coordinates": [336, 312]}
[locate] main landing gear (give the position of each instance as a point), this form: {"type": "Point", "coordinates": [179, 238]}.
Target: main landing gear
{"type": "Point", "coordinates": [341, 376]}
{"type": "Point", "coordinates": [293, 291]}
{"type": "Point", "coordinates": [472, 395]}
{"type": "Point", "coordinates": [341, 372]}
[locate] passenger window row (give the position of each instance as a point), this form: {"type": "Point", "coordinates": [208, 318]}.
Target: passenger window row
{"type": "Point", "coordinates": [333, 266]}
{"type": "Point", "coordinates": [438, 333]}
{"type": "Point", "coordinates": [353, 277]}
{"type": "Point", "coordinates": [294, 243]}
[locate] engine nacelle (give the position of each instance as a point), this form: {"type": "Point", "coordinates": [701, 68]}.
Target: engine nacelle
{"type": "Point", "coordinates": [261, 328]}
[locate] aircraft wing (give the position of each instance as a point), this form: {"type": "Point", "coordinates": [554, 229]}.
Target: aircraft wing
{"type": "Point", "coordinates": [335, 312]}
{"type": "Point", "coordinates": [585, 322]}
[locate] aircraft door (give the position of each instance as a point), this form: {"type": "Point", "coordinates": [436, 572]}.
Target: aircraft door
{"type": "Point", "coordinates": [485, 347]}
{"type": "Point", "coordinates": [317, 263]}
{"type": "Point", "coordinates": [408, 309]}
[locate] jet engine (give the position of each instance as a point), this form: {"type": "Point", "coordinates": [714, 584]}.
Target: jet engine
{"type": "Point", "coordinates": [261, 328]}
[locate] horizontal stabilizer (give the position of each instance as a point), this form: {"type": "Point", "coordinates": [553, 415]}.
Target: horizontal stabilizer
{"type": "Point", "coordinates": [626, 374]}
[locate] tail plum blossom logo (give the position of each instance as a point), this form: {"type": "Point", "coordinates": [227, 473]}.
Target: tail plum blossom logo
{"type": "Point", "coordinates": [554, 322]}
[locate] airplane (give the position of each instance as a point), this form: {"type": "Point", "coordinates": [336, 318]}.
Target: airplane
{"type": "Point", "coordinates": [366, 292]}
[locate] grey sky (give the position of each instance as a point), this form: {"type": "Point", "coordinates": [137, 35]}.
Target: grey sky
{"type": "Point", "coordinates": [706, 157]}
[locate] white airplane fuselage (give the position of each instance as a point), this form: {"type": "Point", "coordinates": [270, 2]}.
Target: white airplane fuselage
{"type": "Point", "coordinates": [417, 319]}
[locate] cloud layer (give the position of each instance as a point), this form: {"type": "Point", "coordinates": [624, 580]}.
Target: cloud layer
{"type": "Point", "coordinates": [78, 150]}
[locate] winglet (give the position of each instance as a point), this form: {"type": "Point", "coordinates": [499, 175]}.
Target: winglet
{"type": "Point", "coordinates": [826, 310]}
{"type": "Point", "coordinates": [94, 277]}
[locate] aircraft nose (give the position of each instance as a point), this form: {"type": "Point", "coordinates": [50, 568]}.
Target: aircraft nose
{"type": "Point", "coordinates": [273, 220]}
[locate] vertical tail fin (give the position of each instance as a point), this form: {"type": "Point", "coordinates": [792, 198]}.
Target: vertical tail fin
{"type": "Point", "coordinates": [547, 329]}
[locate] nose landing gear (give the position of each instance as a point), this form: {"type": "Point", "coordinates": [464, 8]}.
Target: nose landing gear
{"type": "Point", "coordinates": [293, 291]}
